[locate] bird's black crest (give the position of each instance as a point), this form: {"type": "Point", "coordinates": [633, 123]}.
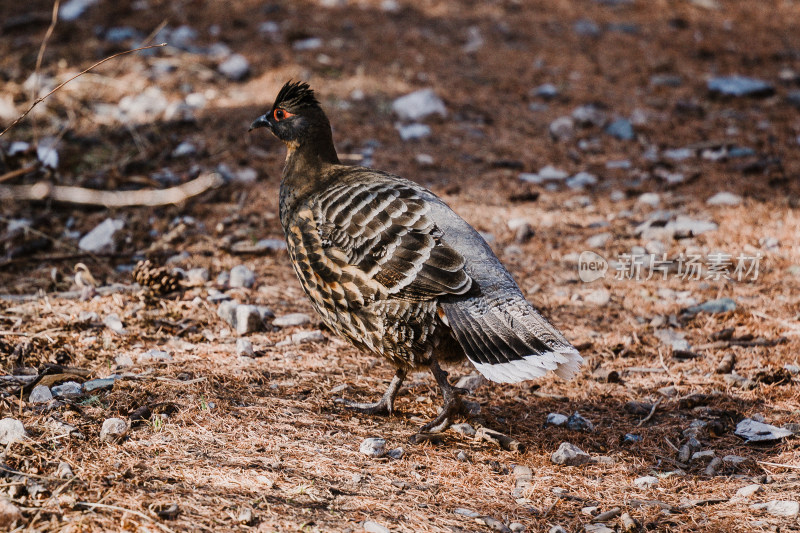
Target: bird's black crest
{"type": "Point", "coordinates": [295, 95]}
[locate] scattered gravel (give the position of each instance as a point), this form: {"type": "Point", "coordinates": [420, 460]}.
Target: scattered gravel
{"type": "Point", "coordinates": [778, 507]}
{"type": "Point", "coordinates": [570, 455]}
{"type": "Point", "coordinates": [69, 389]}
{"type": "Point", "coordinates": [556, 419]}
{"type": "Point", "coordinates": [418, 105]}
{"type": "Point", "coordinates": [645, 482]}
{"type": "Point", "coordinates": [740, 86]}
{"type": "Point", "coordinates": [725, 198]}
{"type": "Point", "coordinates": [464, 429]}
{"type": "Point", "coordinates": [40, 394]}
{"type": "Point", "coordinates": [235, 67]}
{"type": "Point", "coordinates": [244, 348]}
{"type": "Point", "coordinates": [749, 490]}
{"type": "Point", "coordinates": [241, 276]}
{"type": "Point", "coordinates": [292, 320]}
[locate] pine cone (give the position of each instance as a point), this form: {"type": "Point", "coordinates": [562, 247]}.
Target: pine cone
{"type": "Point", "coordinates": [159, 280]}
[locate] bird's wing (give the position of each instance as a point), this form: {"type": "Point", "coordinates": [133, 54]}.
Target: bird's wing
{"type": "Point", "coordinates": [381, 234]}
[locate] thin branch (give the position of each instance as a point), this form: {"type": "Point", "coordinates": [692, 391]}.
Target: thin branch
{"type": "Point", "coordinates": [81, 73]}
{"type": "Point", "coordinates": [19, 172]}
{"type": "Point", "coordinates": [83, 196]}
{"type": "Point", "coordinates": [155, 522]}
{"type": "Point", "coordinates": [652, 412]}
{"type": "Point", "coordinates": [779, 465]}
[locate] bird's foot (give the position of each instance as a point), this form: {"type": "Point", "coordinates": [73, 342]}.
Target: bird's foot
{"type": "Point", "coordinates": [381, 407]}
{"type": "Point", "coordinates": [452, 407]}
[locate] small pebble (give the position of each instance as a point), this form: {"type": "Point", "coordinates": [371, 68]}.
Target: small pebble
{"type": "Point", "coordinates": [570, 455]}
{"type": "Point", "coordinates": [556, 419]}
{"type": "Point", "coordinates": [245, 516]}
{"type": "Point", "coordinates": [40, 394]}
{"type": "Point", "coordinates": [235, 67]}
{"type": "Point", "coordinates": [576, 422]}
{"type": "Point", "coordinates": [748, 490]}
{"type": "Point", "coordinates": [779, 507]}
{"type": "Point", "coordinates": [462, 457]}
{"type": "Point", "coordinates": [373, 447]}
{"type": "Point", "coordinates": [469, 513]}
{"type": "Point", "coordinates": [67, 390]}
{"type": "Point", "coordinates": [64, 471]}
{"type": "Point", "coordinates": [396, 453]}
{"type": "Point", "coordinates": [292, 319]}
{"type": "Point", "coordinates": [464, 429]}
{"type": "Point", "coordinates": [113, 430]}
{"type": "Point", "coordinates": [244, 348]}
{"type": "Point", "coordinates": [248, 319]}
{"type": "Point", "coordinates": [645, 482]}
{"type": "Point", "coordinates": [557, 529]}
{"type": "Point", "coordinates": [241, 276]}
{"type": "Point", "coordinates": [11, 430]}
{"type": "Point", "coordinates": [10, 514]}
{"type": "Point", "coordinates": [374, 527]}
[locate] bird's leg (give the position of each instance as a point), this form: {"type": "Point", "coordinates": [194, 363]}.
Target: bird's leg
{"type": "Point", "coordinates": [382, 406]}
{"type": "Point", "coordinates": [452, 402]}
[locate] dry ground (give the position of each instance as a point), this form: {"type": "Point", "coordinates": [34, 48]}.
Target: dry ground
{"type": "Point", "coordinates": [223, 434]}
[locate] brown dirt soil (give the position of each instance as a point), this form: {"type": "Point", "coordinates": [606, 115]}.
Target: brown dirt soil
{"type": "Point", "coordinates": [223, 434]}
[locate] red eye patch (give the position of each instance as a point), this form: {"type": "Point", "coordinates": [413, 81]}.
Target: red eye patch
{"type": "Point", "coordinates": [281, 114]}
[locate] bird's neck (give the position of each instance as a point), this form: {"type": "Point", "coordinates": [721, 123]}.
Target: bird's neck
{"type": "Point", "coordinates": [307, 169]}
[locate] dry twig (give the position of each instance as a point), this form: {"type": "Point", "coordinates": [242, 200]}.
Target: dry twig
{"type": "Point", "coordinates": [155, 522]}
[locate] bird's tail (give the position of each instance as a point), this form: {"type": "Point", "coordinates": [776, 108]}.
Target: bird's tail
{"type": "Point", "coordinates": [509, 341]}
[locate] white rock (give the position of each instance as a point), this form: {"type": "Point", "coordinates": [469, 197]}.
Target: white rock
{"type": "Point", "coordinates": [11, 430]}
{"type": "Point", "coordinates": [754, 431]}
{"type": "Point", "coordinates": [303, 337]}
{"type": "Point", "coordinates": [241, 276]}
{"type": "Point", "coordinates": [471, 382]}
{"type": "Point", "coordinates": [581, 180]}
{"type": "Point", "coordinates": [64, 471]}
{"type": "Point", "coordinates": [101, 238]}
{"type": "Point", "coordinates": [600, 297]}
{"type": "Point", "coordinates": [570, 455]}
{"type": "Point", "coordinates": [725, 198]}
{"type": "Point", "coordinates": [184, 149]}
{"type": "Point", "coordinates": [154, 356]}
{"type": "Point", "coordinates": [142, 107]}
{"type": "Point", "coordinates": [556, 419]}
{"type": "Point", "coordinates": [67, 390]}
{"type": "Point", "coordinates": [779, 507]}
{"type": "Point", "coordinates": [424, 160]}
{"type": "Point", "coordinates": [113, 323]}
{"type": "Point", "coordinates": [748, 490]}
{"type": "Point", "coordinates": [235, 68]}
{"type": "Point", "coordinates": [73, 9]}
{"type": "Point", "coordinates": [597, 528]}
{"type": "Point", "coordinates": [562, 128]}
{"type": "Point", "coordinates": [292, 319]}
{"type": "Point", "coordinates": [40, 394]}
{"type": "Point", "coordinates": [113, 430]}
{"type": "Point", "coordinates": [645, 482]}
{"type": "Point", "coordinates": [374, 447]}
{"type": "Point", "coordinates": [599, 240]}
{"type": "Point", "coordinates": [649, 198]}
{"type": "Point", "coordinates": [412, 132]}
{"type": "Point", "coordinates": [244, 348]}
{"type": "Point", "coordinates": [549, 172]}
{"type": "Point", "coordinates": [617, 196]}
{"type": "Point", "coordinates": [312, 43]}
{"type": "Point", "coordinates": [418, 105]}
{"type": "Point", "coordinates": [672, 338]}
{"type": "Point", "coordinates": [464, 429]}
{"type": "Point", "coordinates": [374, 527]}
{"type": "Point", "coordinates": [247, 319]}
{"type": "Point", "coordinates": [46, 152]}
{"type": "Point", "coordinates": [10, 515]}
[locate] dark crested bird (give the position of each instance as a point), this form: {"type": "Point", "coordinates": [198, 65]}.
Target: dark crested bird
{"type": "Point", "coordinates": [390, 267]}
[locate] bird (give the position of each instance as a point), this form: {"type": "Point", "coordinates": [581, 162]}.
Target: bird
{"type": "Point", "coordinates": [85, 281]}
{"type": "Point", "coordinates": [394, 270]}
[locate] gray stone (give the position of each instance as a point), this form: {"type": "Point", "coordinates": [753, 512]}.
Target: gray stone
{"type": "Point", "coordinates": [241, 276]}
{"type": "Point", "coordinates": [413, 132]}
{"type": "Point", "coordinates": [374, 527]}
{"type": "Point", "coordinates": [581, 180]}
{"type": "Point", "coordinates": [586, 28]}
{"type": "Point", "coordinates": [748, 490]}
{"type": "Point", "coordinates": [621, 129]}
{"type": "Point", "coordinates": [599, 240]}
{"type": "Point", "coordinates": [11, 430]}
{"type": "Point", "coordinates": [113, 430]}
{"type": "Point", "coordinates": [67, 390]}
{"type": "Point", "coordinates": [64, 471]}
{"type": "Point", "coordinates": [40, 394]}
{"type": "Point", "coordinates": [46, 152]}
{"type": "Point", "coordinates": [740, 86]}
{"type": "Point", "coordinates": [562, 128]}
{"type": "Point", "coordinates": [114, 323]}
{"type": "Point", "coordinates": [703, 456]}
{"type": "Point", "coordinates": [99, 384]}
{"type": "Point", "coordinates": [244, 348]}
{"type": "Point", "coordinates": [120, 34]}
{"type": "Point", "coordinates": [235, 67]}
{"type": "Point", "coordinates": [154, 356]}
{"type": "Point", "coordinates": [779, 507]}
{"type": "Point", "coordinates": [418, 105]}
{"type": "Point", "coordinates": [556, 419]}
{"type": "Point", "coordinates": [597, 528]}
{"type": "Point", "coordinates": [570, 455]}
{"type": "Point", "coordinates": [589, 115]}
{"type": "Point", "coordinates": [248, 319]}
{"type": "Point", "coordinates": [557, 529]}
{"type": "Point", "coordinates": [227, 312]}
{"type": "Point", "coordinates": [123, 360]}
{"type": "Point", "coordinates": [666, 80]}
{"type": "Point", "coordinates": [578, 423]}
{"type": "Point", "coordinates": [73, 9]}
{"type": "Point", "coordinates": [673, 339]}
{"type": "Point", "coordinates": [645, 482]}
{"type": "Point", "coordinates": [312, 43]}
{"type": "Point", "coordinates": [649, 198]}
{"type": "Point", "coordinates": [396, 453]}
{"type": "Point", "coordinates": [722, 305]}
{"type": "Point", "coordinates": [546, 91]}
{"type": "Point", "coordinates": [734, 460]}
{"type": "Point", "coordinates": [197, 276]}
{"type": "Point", "coordinates": [471, 382]}
{"type": "Point", "coordinates": [264, 245]}
{"type": "Point", "coordinates": [469, 513]}
{"type": "Point", "coordinates": [725, 198]}
{"type": "Point", "coordinates": [184, 149]}
{"type": "Point", "coordinates": [304, 337]}
{"type": "Point", "coordinates": [291, 320]}
{"type": "Point", "coordinates": [551, 173]}
{"type": "Point", "coordinates": [464, 429]}
{"type": "Point", "coordinates": [753, 431]}
{"type": "Point", "coordinates": [374, 447]}
{"type": "Point", "coordinates": [101, 238]}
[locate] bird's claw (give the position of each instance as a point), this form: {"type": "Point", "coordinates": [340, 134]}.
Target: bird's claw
{"type": "Point", "coordinates": [381, 407]}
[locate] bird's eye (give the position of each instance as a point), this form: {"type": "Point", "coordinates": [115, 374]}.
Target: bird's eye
{"type": "Point", "coordinates": [281, 114]}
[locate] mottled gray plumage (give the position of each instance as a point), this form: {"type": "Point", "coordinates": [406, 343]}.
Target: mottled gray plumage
{"type": "Point", "coordinates": [393, 269]}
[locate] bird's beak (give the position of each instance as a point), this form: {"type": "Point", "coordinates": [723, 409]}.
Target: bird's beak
{"type": "Point", "coordinates": [260, 122]}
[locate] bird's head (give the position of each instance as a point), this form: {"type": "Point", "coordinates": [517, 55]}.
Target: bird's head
{"type": "Point", "coordinates": [296, 116]}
